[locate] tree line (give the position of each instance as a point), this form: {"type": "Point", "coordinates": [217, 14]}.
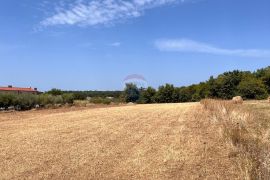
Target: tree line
{"type": "Point", "coordinates": [249, 85]}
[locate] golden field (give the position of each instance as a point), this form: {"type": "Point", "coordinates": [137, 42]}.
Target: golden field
{"type": "Point", "coordinates": [159, 141]}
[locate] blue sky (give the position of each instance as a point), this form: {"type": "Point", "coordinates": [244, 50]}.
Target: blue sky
{"type": "Point", "coordinates": [95, 44]}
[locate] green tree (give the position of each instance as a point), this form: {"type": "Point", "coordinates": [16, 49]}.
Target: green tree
{"type": "Point", "coordinates": [190, 93]}
{"type": "Point", "coordinates": [225, 85]}
{"type": "Point", "coordinates": [55, 92]}
{"type": "Point", "coordinates": [167, 94]}
{"type": "Point", "coordinates": [266, 81]}
{"type": "Point", "coordinates": [203, 90]}
{"type": "Point", "coordinates": [184, 94]}
{"type": "Point", "coordinates": [131, 93]}
{"type": "Point", "coordinates": [252, 88]}
{"type": "Point", "coordinates": [264, 75]}
{"type": "Point", "coordinates": [148, 95]}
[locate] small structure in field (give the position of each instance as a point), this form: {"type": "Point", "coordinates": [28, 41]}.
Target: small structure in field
{"type": "Point", "coordinates": [237, 100]}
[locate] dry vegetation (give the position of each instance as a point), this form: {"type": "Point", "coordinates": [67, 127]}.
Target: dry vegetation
{"type": "Point", "coordinates": [215, 140]}
{"type": "Point", "coordinates": [246, 130]}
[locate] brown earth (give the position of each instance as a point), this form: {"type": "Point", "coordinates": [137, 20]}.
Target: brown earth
{"type": "Point", "coordinates": [166, 141]}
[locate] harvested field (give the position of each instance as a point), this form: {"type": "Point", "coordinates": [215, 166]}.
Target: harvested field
{"type": "Point", "coordinates": [166, 141]}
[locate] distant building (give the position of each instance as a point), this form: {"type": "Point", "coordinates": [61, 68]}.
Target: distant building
{"type": "Point", "coordinates": [18, 90]}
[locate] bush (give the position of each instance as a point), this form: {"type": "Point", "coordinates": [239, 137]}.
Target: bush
{"type": "Point", "coordinates": [99, 100]}
{"type": "Point", "coordinates": [7, 100]}
{"type": "Point", "coordinates": [26, 101]}
{"type": "Point", "coordinates": [45, 99]}
{"type": "Point", "coordinates": [80, 103]}
{"type": "Point", "coordinates": [82, 95]}
{"type": "Point", "coordinates": [58, 99]}
{"type": "Point", "coordinates": [68, 98]}
{"type": "Point", "coordinates": [19, 101]}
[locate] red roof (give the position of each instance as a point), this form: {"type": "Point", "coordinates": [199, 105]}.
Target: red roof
{"type": "Point", "coordinates": [17, 89]}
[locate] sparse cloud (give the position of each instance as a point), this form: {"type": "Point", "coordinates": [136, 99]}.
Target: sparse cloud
{"type": "Point", "coordinates": [186, 45]}
{"type": "Point", "coordinates": [115, 44]}
{"type": "Point", "coordinates": [100, 12]}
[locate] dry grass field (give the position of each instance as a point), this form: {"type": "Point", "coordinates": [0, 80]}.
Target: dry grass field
{"type": "Point", "coordinates": [165, 141]}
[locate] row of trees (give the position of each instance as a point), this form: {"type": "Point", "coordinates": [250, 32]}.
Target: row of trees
{"type": "Point", "coordinates": [249, 85]}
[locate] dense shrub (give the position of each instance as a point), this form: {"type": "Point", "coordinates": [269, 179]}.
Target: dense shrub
{"type": "Point", "coordinates": [58, 99]}
{"type": "Point", "coordinates": [80, 103]}
{"type": "Point", "coordinates": [45, 99]}
{"type": "Point", "coordinates": [26, 101]}
{"type": "Point", "coordinates": [82, 95]}
{"type": "Point", "coordinates": [68, 98]}
{"type": "Point", "coordinates": [99, 100]}
{"type": "Point", "coordinates": [19, 101]}
{"type": "Point", "coordinates": [7, 100]}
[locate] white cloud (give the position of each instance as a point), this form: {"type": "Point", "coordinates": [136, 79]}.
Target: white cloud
{"type": "Point", "coordinates": [115, 44]}
{"type": "Point", "coordinates": [186, 45]}
{"type": "Point", "coordinates": [104, 12]}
